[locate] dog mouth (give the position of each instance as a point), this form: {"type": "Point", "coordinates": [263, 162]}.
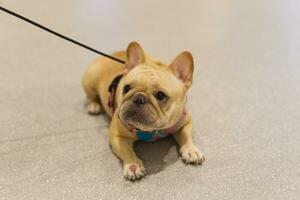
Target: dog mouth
{"type": "Point", "coordinates": [138, 115]}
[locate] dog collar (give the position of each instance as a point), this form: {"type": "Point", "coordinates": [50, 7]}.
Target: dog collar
{"type": "Point", "coordinates": [151, 136]}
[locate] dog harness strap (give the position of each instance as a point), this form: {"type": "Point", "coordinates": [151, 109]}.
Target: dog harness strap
{"type": "Point", "coordinates": [112, 92]}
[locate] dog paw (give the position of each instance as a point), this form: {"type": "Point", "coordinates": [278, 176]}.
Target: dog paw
{"type": "Point", "coordinates": [94, 108]}
{"type": "Point", "coordinates": [133, 171]}
{"type": "Point", "coordinates": [191, 154]}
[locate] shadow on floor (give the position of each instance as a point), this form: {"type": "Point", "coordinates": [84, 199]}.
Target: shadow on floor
{"type": "Point", "coordinates": [157, 155]}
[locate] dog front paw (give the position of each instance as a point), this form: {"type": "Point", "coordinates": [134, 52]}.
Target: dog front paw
{"type": "Point", "coordinates": [191, 154]}
{"type": "Point", "coordinates": [133, 171]}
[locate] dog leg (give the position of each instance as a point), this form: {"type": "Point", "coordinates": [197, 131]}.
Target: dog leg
{"type": "Point", "coordinates": [133, 167]}
{"type": "Point", "coordinates": [94, 106]}
{"type": "Point", "coordinates": [189, 152]}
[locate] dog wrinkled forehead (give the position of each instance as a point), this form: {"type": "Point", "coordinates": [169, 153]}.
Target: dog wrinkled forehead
{"type": "Point", "coordinates": [153, 76]}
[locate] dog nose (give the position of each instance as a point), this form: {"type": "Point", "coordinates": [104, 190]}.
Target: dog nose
{"type": "Point", "coordinates": [140, 99]}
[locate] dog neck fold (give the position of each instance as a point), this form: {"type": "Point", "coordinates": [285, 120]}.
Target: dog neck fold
{"type": "Point", "coordinates": [151, 136]}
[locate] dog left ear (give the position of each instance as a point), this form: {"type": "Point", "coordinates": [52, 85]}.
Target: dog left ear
{"type": "Point", "coordinates": [135, 55]}
{"type": "Point", "coordinates": [183, 68]}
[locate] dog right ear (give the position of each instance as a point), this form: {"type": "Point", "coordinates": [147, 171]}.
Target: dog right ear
{"type": "Point", "coordinates": [135, 55]}
{"type": "Point", "coordinates": [183, 68]}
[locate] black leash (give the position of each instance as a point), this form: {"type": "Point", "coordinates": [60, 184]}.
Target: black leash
{"type": "Point", "coordinates": [59, 35]}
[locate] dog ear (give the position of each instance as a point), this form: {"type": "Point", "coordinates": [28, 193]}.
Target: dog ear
{"type": "Point", "coordinates": [183, 68]}
{"type": "Point", "coordinates": [135, 55]}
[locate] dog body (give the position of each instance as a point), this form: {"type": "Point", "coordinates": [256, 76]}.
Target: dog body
{"type": "Point", "coordinates": [145, 99]}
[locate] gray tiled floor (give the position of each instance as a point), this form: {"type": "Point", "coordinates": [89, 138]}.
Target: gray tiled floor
{"type": "Point", "coordinates": [245, 101]}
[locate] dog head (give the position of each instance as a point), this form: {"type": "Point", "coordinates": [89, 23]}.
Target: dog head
{"type": "Point", "coordinates": [151, 94]}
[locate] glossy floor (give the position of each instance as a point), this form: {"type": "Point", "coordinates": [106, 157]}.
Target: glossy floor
{"type": "Point", "coordinates": [245, 100]}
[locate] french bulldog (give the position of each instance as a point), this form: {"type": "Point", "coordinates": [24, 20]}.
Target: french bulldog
{"type": "Point", "coordinates": [145, 99]}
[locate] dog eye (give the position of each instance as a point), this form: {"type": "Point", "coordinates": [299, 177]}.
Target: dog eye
{"type": "Point", "coordinates": [126, 89]}
{"type": "Point", "coordinates": [160, 96]}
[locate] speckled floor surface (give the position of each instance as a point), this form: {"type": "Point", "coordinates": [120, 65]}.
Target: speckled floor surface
{"type": "Point", "coordinates": [245, 100]}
